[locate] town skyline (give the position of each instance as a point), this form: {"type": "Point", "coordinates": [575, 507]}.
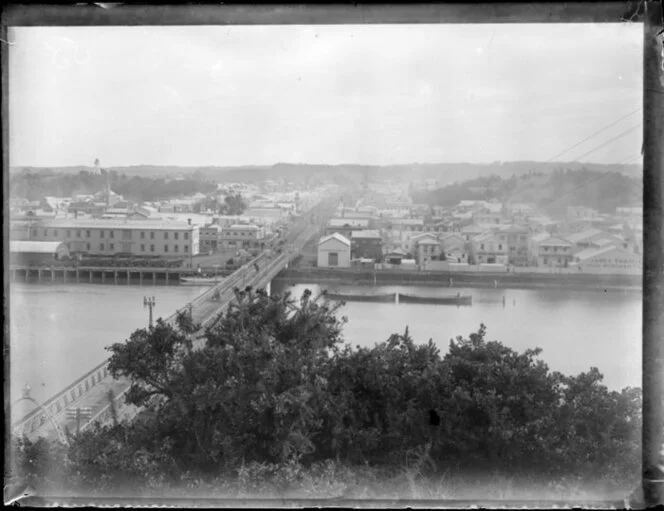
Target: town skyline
{"type": "Point", "coordinates": [243, 96]}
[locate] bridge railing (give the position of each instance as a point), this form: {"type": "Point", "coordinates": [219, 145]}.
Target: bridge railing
{"type": "Point", "coordinates": [65, 398]}
{"type": "Point", "coordinates": [58, 403]}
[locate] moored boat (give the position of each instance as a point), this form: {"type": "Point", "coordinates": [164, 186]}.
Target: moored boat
{"type": "Point", "coordinates": [201, 281]}
{"type": "Point", "coordinates": [442, 300]}
{"type": "Point", "coordinates": [384, 297]}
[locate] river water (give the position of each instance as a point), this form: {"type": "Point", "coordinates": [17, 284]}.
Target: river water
{"type": "Point", "coordinates": [575, 329]}
{"type": "Point", "coordinates": [58, 331]}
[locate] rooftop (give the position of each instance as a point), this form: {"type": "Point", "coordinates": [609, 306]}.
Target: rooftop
{"type": "Point", "coordinates": [73, 223]}
{"type": "Point", "coordinates": [366, 234]}
{"type": "Point", "coordinates": [35, 247]}
{"type": "Point", "coordinates": [334, 236]}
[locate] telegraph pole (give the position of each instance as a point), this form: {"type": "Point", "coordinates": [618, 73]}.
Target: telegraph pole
{"type": "Point", "coordinates": [150, 303]}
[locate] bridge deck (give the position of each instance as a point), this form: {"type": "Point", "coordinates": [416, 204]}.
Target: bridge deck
{"type": "Point", "coordinates": [91, 391]}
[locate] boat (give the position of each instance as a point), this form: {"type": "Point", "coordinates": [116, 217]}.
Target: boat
{"type": "Point", "coordinates": [201, 281]}
{"type": "Point", "coordinates": [442, 300]}
{"type": "Point", "coordinates": [384, 297]}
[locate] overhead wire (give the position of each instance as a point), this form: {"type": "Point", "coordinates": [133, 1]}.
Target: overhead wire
{"type": "Point", "coordinates": [595, 134]}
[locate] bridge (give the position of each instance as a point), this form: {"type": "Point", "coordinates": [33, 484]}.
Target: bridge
{"type": "Point", "coordinates": [102, 397]}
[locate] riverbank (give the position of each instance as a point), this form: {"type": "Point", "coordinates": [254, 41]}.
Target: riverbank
{"type": "Point", "coordinates": [519, 280]}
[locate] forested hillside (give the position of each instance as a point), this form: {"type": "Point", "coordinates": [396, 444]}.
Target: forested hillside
{"type": "Point", "coordinates": [34, 186]}
{"type": "Point", "coordinates": [553, 193]}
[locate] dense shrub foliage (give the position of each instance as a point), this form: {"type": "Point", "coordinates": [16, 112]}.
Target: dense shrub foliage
{"type": "Point", "coordinates": [274, 386]}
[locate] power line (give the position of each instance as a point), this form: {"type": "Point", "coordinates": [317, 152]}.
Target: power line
{"type": "Point", "coordinates": [594, 134]}
{"type": "Point", "coordinates": [609, 141]}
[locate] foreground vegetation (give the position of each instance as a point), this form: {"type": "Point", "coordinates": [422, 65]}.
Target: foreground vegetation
{"type": "Point", "coordinates": [275, 404]}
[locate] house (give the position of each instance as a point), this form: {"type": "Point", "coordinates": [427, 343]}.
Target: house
{"type": "Point", "coordinates": [210, 238]}
{"type": "Point", "coordinates": [581, 213]}
{"type": "Point", "coordinates": [472, 230]}
{"type": "Point", "coordinates": [585, 239]}
{"type": "Point", "coordinates": [489, 248]}
{"type": "Point", "coordinates": [535, 241]}
{"type": "Point", "coordinates": [554, 251]}
{"type": "Point", "coordinates": [345, 226]}
{"type": "Point", "coordinates": [367, 244]}
{"type": "Point", "coordinates": [394, 257]}
{"type": "Point", "coordinates": [518, 243]}
{"type": "Point", "coordinates": [455, 247]}
{"type": "Point", "coordinates": [334, 251]}
{"type": "Point", "coordinates": [34, 253]}
{"type": "Point", "coordinates": [426, 247]}
{"type": "Point", "coordinates": [487, 217]}
{"type": "Point", "coordinates": [609, 260]}
{"type": "Point", "coordinates": [241, 236]}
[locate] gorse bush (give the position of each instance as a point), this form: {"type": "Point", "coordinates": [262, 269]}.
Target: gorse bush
{"type": "Point", "coordinates": [274, 390]}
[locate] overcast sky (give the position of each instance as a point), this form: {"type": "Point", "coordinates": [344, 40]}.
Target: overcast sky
{"type": "Point", "coordinates": [369, 94]}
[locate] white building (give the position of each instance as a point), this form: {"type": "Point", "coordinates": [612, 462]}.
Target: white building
{"type": "Point", "coordinates": [334, 251]}
{"type": "Point", "coordinates": [609, 260]}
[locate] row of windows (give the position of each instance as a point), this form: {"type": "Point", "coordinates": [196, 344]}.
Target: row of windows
{"type": "Point", "coordinates": [555, 249]}
{"type": "Point", "coordinates": [176, 248]}
{"type": "Point", "coordinates": [500, 247]}
{"type": "Point", "coordinates": [111, 234]}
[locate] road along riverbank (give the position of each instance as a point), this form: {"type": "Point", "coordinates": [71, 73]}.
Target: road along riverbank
{"type": "Point", "coordinates": [511, 280]}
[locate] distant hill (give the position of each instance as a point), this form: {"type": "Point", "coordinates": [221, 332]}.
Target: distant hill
{"type": "Point", "coordinates": [552, 192]}
{"type": "Point", "coordinates": [445, 173]}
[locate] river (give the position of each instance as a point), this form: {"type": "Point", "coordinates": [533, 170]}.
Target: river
{"type": "Point", "coordinates": [576, 329]}
{"type": "Point", "coordinates": [59, 331]}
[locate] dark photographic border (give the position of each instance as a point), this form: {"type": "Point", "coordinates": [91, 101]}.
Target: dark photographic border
{"type": "Point", "coordinates": [649, 13]}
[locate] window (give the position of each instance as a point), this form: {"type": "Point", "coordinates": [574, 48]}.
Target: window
{"type": "Point", "coordinates": [186, 235]}
{"type": "Point", "coordinates": [165, 248]}
{"type": "Point", "coordinates": [142, 248]}
{"type": "Point", "coordinates": [186, 248]}
{"type": "Point", "coordinates": [78, 234]}
{"type": "Point", "coordinates": [55, 232]}
{"type": "Point", "coordinates": [152, 235]}
{"type": "Point", "coordinates": [500, 247]}
{"type": "Point", "coordinates": [166, 235]}
{"type": "Point", "coordinates": [68, 233]}
{"type": "Point", "coordinates": [482, 246]}
{"type": "Point", "coordinates": [112, 234]}
{"type": "Point", "coordinates": [175, 235]}
{"type": "Point", "coordinates": [45, 232]}
{"type": "Point", "coordinates": [112, 246]}
{"type": "Point", "coordinates": [151, 248]}
{"type": "Point", "coordinates": [176, 248]}
{"type": "Point", "coordinates": [101, 246]}
{"type": "Point", "coordinates": [88, 246]}
{"type": "Point", "coordinates": [142, 235]}
{"type": "Point", "coordinates": [101, 233]}
{"type": "Point", "coordinates": [87, 234]}
{"type": "Point", "coordinates": [333, 259]}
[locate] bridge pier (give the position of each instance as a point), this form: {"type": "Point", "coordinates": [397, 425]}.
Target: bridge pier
{"type": "Point", "coordinates": [64, 275]}
{"type": "Point", "coordinates": [52, 275]}
{"type": "Point", "coordinates": [154, 277]}
{"type": "Point", "coordinates": [140, 277]}
{"type": "Point", "coordinates": [128, 277]}
{"type": "Point", "coordinates": [39, 275]}
{"type": "Point", "coordinates": [90, 276]}
{"type": "Point", "coordinates": [115, 277]}
{"type": "Point", "coordinates": [103, 277]}
{"type": "Point", "coordinates": [78, 276]}
{"type": "Point", "coordinates": [167, 277]}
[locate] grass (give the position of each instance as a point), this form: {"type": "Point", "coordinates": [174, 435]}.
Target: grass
{"type": "Point", "coordinates": [337, 481]}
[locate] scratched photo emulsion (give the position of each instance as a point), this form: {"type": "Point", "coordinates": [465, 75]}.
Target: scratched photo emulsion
{"type": "Point", "coordinates": [355, 262]}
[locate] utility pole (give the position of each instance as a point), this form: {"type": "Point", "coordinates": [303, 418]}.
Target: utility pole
{"type": "Point", "coordinates": [150, 303]}
{"type": "Point", "coordinates": [653, 228]}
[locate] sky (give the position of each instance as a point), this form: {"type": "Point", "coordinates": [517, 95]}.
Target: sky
{"type": "Point", "coordinates": [324, 94]}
